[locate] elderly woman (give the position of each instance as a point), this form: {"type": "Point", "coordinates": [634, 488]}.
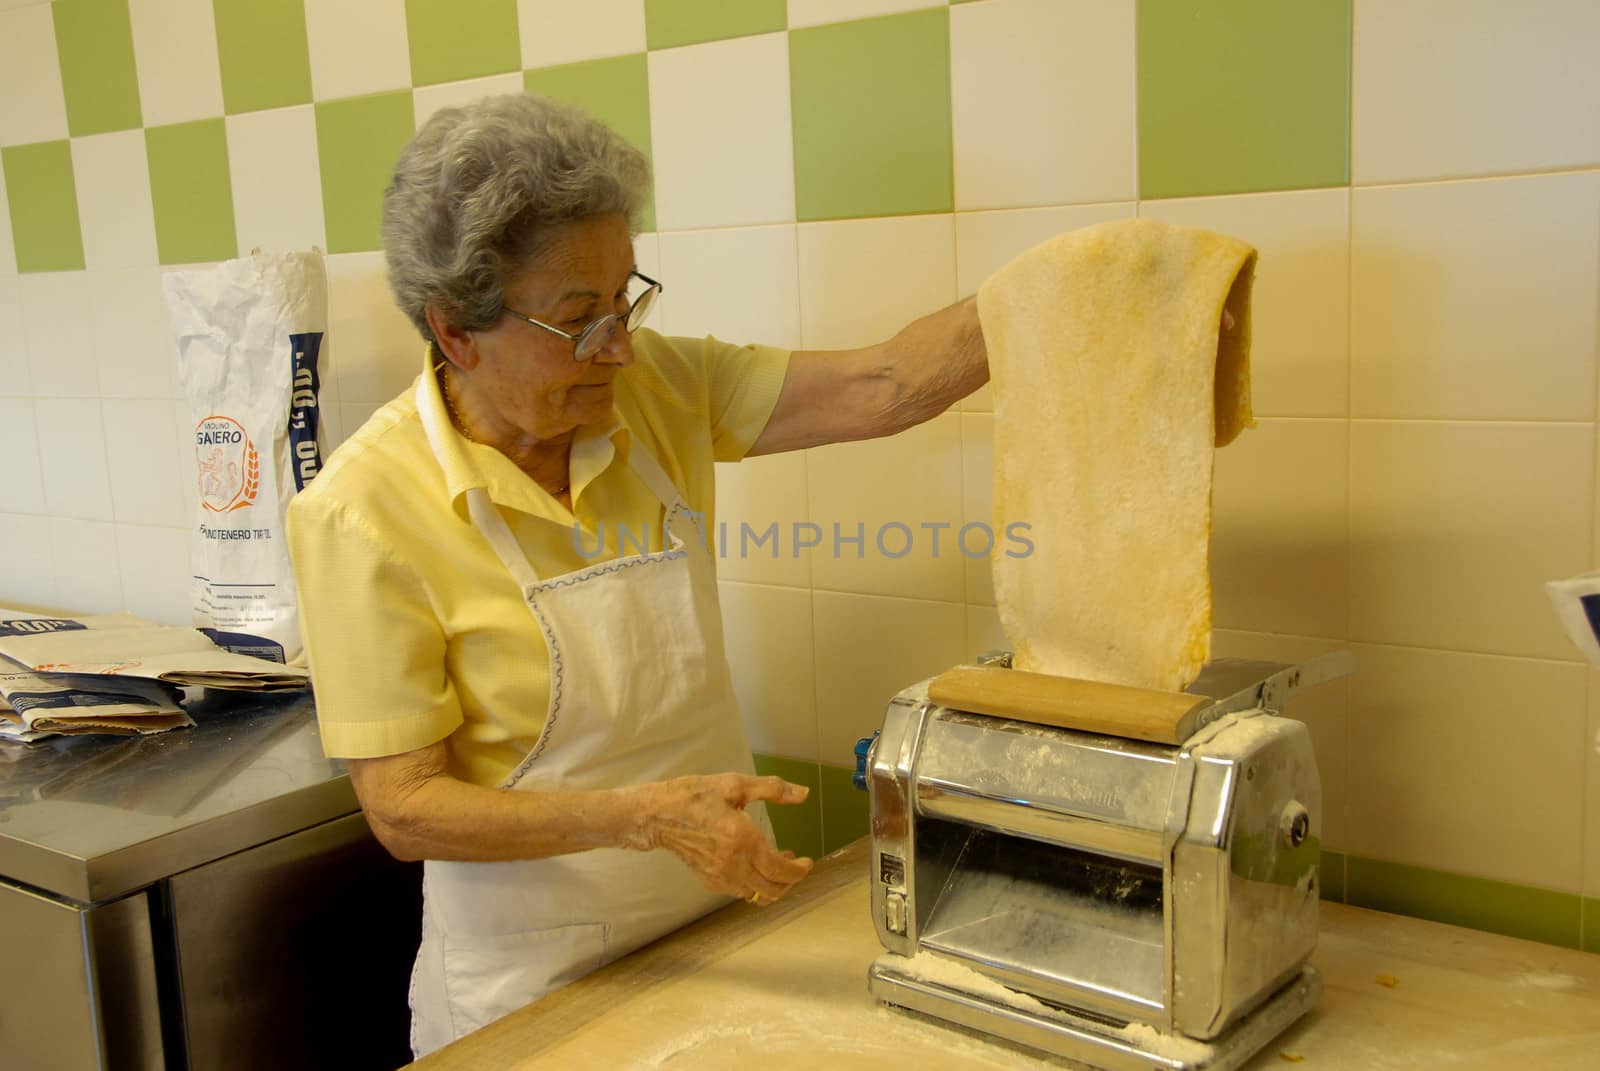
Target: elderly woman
{"type": "Point", "coordinates": [550, 727]}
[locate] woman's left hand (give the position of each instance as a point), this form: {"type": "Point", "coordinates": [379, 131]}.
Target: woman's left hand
{"type": "Point", "coordinates": [702, 820]}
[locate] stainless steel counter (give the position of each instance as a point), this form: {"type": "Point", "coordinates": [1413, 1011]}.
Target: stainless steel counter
{"type": "Point", "coordinates": [206, 897]}
{"type": "Point", "coordinates": [92, 818]}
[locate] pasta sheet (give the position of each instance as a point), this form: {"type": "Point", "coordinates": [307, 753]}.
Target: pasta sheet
{"type": "Point", "coordinates": [1111, 390]}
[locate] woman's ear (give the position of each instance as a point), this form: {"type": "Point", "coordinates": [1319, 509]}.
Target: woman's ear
{"type": "Point", "coordinates": [457, 344]}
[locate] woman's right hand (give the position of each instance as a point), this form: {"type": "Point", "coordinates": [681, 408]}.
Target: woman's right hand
{"type": "Point", "coordinates": [702, 820]}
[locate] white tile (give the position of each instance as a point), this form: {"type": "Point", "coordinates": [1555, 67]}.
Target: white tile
{"type": "Point", "coordinates": [21, 482]}
{"type": "Point", "coordinates": [373, 350]}
{"type": "Point", "coordinates": [277, 191]}
{"type": "Point", "coordinates": [868, 649]}
{"type": "Point", "coordinates": [1280, 551]}
{"type": "Point", "coordinates": [1300, 304]}
{"type": "Point", "coordinates": [72, 458]}
{"type": "Point", "coordinates": [977, 499]}
{"type": "Point", "coordinates": [87, 571]}
{"type": "Point", "coordinates": [1476, 300]}
{"type": "Point", "coordinates": [135, 355]}
{"type": "Point", "coordinates": [647, 254]}
{"type": "Point", "coordinates": [862, 280]}
{"type": "Point", "coordinates": [30, 78]}
{"type": "Point", "coordinates": [146, 483]}
{"type": "Point", "coordinates": [175, 51]}
{"type": "Point", "coordinates": [27, 570]}
{"type": "Point", "coordinates": [720, 133]}
{"type": "Point", "coordinates": [984, 633]}
{"type": "Point", "coordinates": [112, 177]}
{"type": "Point", "coordinates": [1456, 527]}
{"type": "Point", "coordinates": [155, 570]}
{"type": "Point", "coordinates": [1042, 95]}
{"type": "Point", "coordinates": [1325, 710]}
{"type": "Point", "coordinates": [1450, 88]}
{"type": "Point", "coordinates": [58, 334]}
{"type": "Point", "coordinates": [988, 241]}
{"type": "Point", "coordinates": [889, 513]}
{"type": "Point", "coordinates": [354, 414]}
{"type": "Point", "coordinates": [559, 31]}
{"type": "Point", "coordinates": [754, 496]}
{"type": "Point", "coordinates": [817, 12]}
{"type": "Point", "coordinates": [740, 284]}
{"type": "Point", "coordinates": [1467, 763]}
{"type": "Point", "coordinates": [425, 100]}
{"type": "Point", "coordinates": [769, 641]}
{"type": "Point", "coordinates": [14, 374]}
{"type": "Point", "coordinates": [357, 47]}
{"type": "Point", "coordinates": [8, 251]}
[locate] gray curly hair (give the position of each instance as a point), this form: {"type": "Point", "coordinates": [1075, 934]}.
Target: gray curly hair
{"type": "Point", "coordinates": [478, 190]}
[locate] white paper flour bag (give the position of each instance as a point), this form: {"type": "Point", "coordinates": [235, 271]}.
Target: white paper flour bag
{"type": "Point", "coordinates": [249, 334]}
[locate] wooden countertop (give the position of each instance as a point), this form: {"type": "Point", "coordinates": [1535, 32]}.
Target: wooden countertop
{"type": "Point", "coordinates": [784, 986]}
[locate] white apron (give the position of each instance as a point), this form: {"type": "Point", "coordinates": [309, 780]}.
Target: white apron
{"type": "Point", "coordinates": [639, 691]}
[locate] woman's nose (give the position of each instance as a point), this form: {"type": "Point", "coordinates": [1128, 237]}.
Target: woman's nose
{"type": "Point", "coordinates": [618, 349]}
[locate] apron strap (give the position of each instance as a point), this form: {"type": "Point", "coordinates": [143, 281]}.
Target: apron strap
{"type": "Point", "coordinates": [654, 476]}
{"type": "Point", "coordinates": [486, 518]}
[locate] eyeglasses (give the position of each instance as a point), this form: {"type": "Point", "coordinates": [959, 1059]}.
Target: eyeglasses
{"type": "Point", "coordinates": [592, 339]}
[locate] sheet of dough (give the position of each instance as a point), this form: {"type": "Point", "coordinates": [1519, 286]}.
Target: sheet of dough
{"type": "Point", "coordinates": [1109, 393]}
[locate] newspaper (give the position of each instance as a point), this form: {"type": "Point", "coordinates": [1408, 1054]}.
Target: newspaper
{"type": "Point", "coordinates": [124, 645]}
{"type": "Point", "coordinates": [39, 706]}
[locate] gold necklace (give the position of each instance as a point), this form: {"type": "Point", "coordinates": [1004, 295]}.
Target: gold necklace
{"type": "Point", "coordinates": [461, 426]}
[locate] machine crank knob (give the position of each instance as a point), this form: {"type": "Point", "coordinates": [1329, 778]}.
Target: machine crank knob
{"type": "Point", "coordinates": [863, 749]}
{"type": "Point", "coordinates": [1295, 824]}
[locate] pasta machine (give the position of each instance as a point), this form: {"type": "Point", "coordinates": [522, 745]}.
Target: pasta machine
{"type": "Point", "coordinates": [1129, 904]}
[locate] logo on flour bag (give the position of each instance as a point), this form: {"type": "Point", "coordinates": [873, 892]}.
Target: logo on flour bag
{"type": "Point", "coordinates": [230, 467]}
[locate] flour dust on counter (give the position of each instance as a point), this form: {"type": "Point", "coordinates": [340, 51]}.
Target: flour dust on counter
{"type": "Point", "coordinates": [799, 1041]}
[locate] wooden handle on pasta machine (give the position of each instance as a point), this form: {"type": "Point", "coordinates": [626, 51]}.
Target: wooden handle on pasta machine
{"type": "Point", "coordinates": [1069, 703]}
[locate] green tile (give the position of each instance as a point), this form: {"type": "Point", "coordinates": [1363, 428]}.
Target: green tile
{"type": "Point", "coordinates": [1591, 925]}
{"type": "Point", "coordinates": [616, 91]}
{"type": "Point", "coordinates": [452, 40]}
{"type": "Point", "coordinates": [670, 23]}
{"type": "Point", "coordinates": [94, 42]}
{"type": "Point", "coordinates": [844, 808]}
{"type": "Point", "coordinates": [797, 828]}
{"type": "Point", "coordinates": [43, 201]}
{"type": "Point", "coordinates": [358, 141]}
{"type": "Point", "coordinates": [1460, 900]}
{"type": "Point", "coordinates": [871, 102]}
{"type": "Point", "coordinates": [191, 191]}
{"type": "Point", "coordinates": [1333, 876]}
{"type": "Point", "coordinates": [261, 46]}
{"type": "Point", "coordinates": [1242, 95]}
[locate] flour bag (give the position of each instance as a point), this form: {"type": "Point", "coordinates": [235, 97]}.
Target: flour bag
{"type": "Point", "coordinates": [249, 335]}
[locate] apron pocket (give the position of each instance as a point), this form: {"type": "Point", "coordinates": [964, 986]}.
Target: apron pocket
{"type": "Point", "coordinates": [489, 977]}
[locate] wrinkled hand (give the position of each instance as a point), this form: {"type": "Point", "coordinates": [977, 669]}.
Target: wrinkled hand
{"type": "Point", "coordinates": [702, 820]}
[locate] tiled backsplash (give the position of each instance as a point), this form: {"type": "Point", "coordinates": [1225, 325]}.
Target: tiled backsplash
{"type": "Point", "coordinates": [1424, 192]}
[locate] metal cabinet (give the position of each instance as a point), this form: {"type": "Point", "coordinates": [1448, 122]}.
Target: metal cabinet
{"type": "Point", "coordinates": [210, 898]}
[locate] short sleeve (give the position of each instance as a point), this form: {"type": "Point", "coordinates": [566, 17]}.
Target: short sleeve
{"type": "Point", "coordinates": [377, 652]}
{"type": "Point", "coordinates": [733, 389]}
{"type": "Point", "coordinates": [742, 388]}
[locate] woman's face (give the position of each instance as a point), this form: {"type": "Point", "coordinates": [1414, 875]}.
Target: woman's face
{"type": "Point", "coordinates": [526, 377]}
